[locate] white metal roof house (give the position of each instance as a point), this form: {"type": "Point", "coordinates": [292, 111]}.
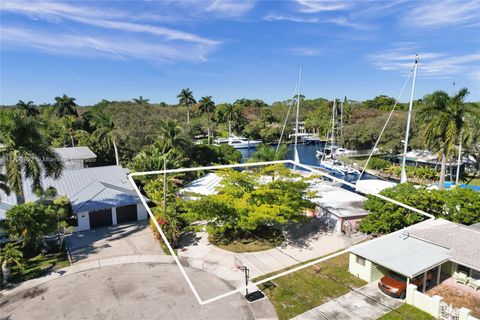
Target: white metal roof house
{"type": "Point", "coordinates": [100, 196]}
{"type": "Point", "coordinates": [341, 209]}
{"type": "Point", "coordinates": [437, 246]}
{"type": "Point", "coordinates": [75, 157]}
{"type": "Point", "coordinates": [205, 186]}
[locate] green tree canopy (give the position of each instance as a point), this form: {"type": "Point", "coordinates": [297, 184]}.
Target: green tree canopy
{"type": "Point", "coordinates": [457, 205]}
{"type": "Point", "coordinates": [243, 204]}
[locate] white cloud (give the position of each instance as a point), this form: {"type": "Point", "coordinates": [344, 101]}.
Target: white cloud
{"type": "Point", "coordinates": [305, 52]}
{"type": "Point", "coordinates": [314, 6]}
{"type": "Point", "coordinates": [230, 7]}
{"type": "Point", "coordinates": [340, 21]}
{"type": "Point", "coordinates": [432, 65]}
{"type": "Point", "coordinates": [118, 48]}
{"type": "Point", "coordinates": [279, 17]}
{"type": "Point", "coordinates": [52, 11]}
{"type": "Point", "coordinates": [444, 13]}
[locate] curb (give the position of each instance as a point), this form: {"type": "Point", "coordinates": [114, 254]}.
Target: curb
{"type": "Point", "coordinates": [84, 266]}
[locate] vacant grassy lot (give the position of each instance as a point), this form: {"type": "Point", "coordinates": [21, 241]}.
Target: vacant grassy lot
{"type": "Point", "coordinates": [406, 312]}
{"type": "Point", "coordinates": [308, 288]}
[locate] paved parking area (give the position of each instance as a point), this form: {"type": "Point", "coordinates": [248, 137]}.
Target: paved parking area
{"type": "Point", "coordinates": [129, 291]}
{"type": "Point", "coordinates": [113, 241]}
{"type": "Point", "coordinates": [365, 303]}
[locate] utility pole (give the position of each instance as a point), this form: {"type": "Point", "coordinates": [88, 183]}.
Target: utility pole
{"type": "Point", "coordinates": [403, 177]}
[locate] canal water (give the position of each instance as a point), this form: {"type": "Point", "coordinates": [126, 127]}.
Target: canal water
{"type": "Point", "coordinates": [308, 155]}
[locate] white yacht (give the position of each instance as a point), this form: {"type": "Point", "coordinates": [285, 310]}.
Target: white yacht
{"type": "Point", "coordinates": [237, 142]}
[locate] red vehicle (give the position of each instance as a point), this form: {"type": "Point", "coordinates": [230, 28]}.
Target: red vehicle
{"type": "Point", "coordinates": [395, 285]}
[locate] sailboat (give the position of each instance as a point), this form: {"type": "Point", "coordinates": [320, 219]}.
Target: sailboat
{"type": "Point", "coordinates": [327, 159]}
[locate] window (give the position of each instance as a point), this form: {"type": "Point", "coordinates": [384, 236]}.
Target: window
{"type": "Point", "coordinates": [361, 261]}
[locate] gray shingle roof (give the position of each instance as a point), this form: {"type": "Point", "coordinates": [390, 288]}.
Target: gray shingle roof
{"type": "Point", "coordinates": [75, 153]}
{"type": "Point", "coordinates": [463, 241]}
{"type": "Point", "coordinates": [428, 243]}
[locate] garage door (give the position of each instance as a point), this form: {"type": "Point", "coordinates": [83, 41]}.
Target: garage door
{"type": "Point", "coordinates": [127, 213]}
{"type": "Point", "coordinates": [100, 218]}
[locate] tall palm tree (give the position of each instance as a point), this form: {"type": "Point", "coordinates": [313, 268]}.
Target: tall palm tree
{"type": "Point", "coordinates": [231, 114]}
{"type": "Point", "coordinates": [446, 119]}
{"type": "Point", "coordinates": [28, 108]}
{"type": "Point", "coordinates": [25, 153]}
{"type": "Point", "coordinates": [65, 106]}
{"type": "Point", "coordinates": [207, 106]}
{"type": "Point", "coordinates": [185, 98]}
{"type": "Point", "coordinates": [106, 132]}
{"type": "Point", "coordinates": [140, 100]}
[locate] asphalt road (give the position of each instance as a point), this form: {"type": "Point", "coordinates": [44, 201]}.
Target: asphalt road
{"type": "Point", "coordinates": [130, 291]}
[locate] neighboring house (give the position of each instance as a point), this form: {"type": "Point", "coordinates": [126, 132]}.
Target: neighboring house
{"type": "Point", "coordinates": [100, 196]}
{"type": "Point", "coordinates": [75, 157]}
{"type": "Point", "coordinates": [341, 209]}
{"type": "Point", "coordinates": [436, 246]}
{"type": "Point", "coordinates": [205, 186]}
{"type": "Point", "coordinates": [425, 158]}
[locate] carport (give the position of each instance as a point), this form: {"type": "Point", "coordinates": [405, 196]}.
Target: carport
{"type": "Point", "coordinates": [404, 254]}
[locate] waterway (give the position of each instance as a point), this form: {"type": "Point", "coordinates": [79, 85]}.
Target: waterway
{"type": "Point", "coordinates": [308, 155]}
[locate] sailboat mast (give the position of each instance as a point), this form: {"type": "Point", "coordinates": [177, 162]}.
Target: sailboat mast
{"type": "Point", "coordinates": [403, 177]}
{"type": "Point", "coordinates": [341, 119]}
{"type": "Point", "coordinates": [296, 157]}
{"type": "Point", "coordinates": [332, 140]}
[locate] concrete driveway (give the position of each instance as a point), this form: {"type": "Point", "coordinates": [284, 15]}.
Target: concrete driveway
{"type": "Point", "coordinates": [365, 303]}
{"type": "Point", "coordinates": [129, 291]}
{"type": "Point", "coordinates": [113, 241]}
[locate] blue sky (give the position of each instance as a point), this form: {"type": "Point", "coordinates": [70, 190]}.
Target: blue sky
{"type": "Point", "coordinates": [119, 50]}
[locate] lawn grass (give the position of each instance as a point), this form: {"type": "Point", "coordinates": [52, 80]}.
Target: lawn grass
{"type": "Point", "coordinates": [251, 246]}
{"type": "Point", "coordinates": [251, 242]}
{"type": "Point", "coordinates": [308, 288]}
{"type": "Point", "coordinates": [406, 312]}
{"type": "Point", "coordinates": [38, 266]}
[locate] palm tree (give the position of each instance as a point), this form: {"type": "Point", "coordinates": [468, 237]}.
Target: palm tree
{"type": "Point", "coordinates": [3, 184]}
{"type": "Point", "coordinates": [25, 153]}
{"type": "Point", "coordinates": [106, 132]}
{"type": "Point", "coordinates": [10, 255]}
{"type": "Point", "coordinates": [207, 106]}
{"type": "Point", "coordinates": [446, 119]}
{"type": "Point", "coordinates": [185, 98]}
{"type": "Point", "coordinates": [231, 114]}
{"type": "Point", "coordinates": [65, 106]}
{"type": "Point", "coordinates": [140, 100]}
{"type": "Point", "coordinates": [173, 136]}
{"type": "Point", "coordinates": [28, 108]}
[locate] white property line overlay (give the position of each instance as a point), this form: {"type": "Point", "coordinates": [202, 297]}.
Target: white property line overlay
{"type": "Point", "coordinates": [245, 165]}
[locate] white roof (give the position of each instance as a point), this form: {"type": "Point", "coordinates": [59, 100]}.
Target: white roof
{"type": "Point", "coordinates": [75, 153]}
{"type": "Point", "coordinates": [428, 244]}
{"type": "Point", "coordinates": [339, 201]}
{"type": "Point", "coordinates": [206, 185]}
{"type": "Point", "coordinates": [402, 253]}
{"type": "Point", "coordinates": [87, 188]}
{"type": "Point", "coordinates": [373, 186]}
